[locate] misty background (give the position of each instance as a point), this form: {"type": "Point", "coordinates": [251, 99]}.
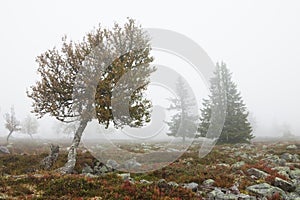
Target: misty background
{"type": "Point", "coordinates": [258, 40]}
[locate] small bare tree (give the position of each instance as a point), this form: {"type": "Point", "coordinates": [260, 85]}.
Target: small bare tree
{"type": "Point", "coordinates": [29, 126]}
{"type": "Point", "coordinates": [11, 123]}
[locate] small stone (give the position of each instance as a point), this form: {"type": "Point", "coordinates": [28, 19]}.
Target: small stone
{"type": "Point", "coordinates": [38, 175]}
{"type": "Point", "coordinates": [208, 182]}
{"type": "Point", "coordinates": [245, 197]}
{"type": "Point", "coordinates": [245, 155]}
{"type": "Point", "coordinates": [192, 186]}
{"type": "Point", "coordinates": [125, 176]}
{"type": "Point", "coordinates": [213, 194]}
{"type": "Point", "coordinates": [223, 165]}
{"type": "Point", "coordinates": [291, 147]}
{"type": "Point", "coordinates": [145, 181]}
{"type": "Point", "coordinates": [238, 164]}
{"type": "Point", "coordinates": [235, 189]}
{"type": "Point", "coordinates": [173, 184]}
{"type": "Point", "coordinates": [89, 175]}
{"type": "Point", "coordinates": [264, 147]}
{"type": "Point", "coordinates": [172, 150]}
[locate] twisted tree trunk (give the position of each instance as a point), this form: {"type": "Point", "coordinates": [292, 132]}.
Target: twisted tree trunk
{"type": "Point", "coordinates": [69, 166]}
{"type": "Point", "coordinates": [9, 136]}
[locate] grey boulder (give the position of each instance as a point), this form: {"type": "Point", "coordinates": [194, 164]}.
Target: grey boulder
{"type": "Point", "coordinates": [4, 150]}
{"type": "Point", "coordinates": [265, 190]}
{"type": "Point", "coordinates": [257, 173]}
{"type": "Point", "coordinates": [285, 185]}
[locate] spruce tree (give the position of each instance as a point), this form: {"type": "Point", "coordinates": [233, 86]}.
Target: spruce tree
{"type": "Point", "coordinates": [237, 128]}
{"type": "Point", "coordinates": [183, 123]}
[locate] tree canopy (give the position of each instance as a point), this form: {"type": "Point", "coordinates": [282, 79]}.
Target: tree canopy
{"type": "Point", "coordinates": [95, 78]}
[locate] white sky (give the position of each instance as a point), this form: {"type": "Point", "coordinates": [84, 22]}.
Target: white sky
{"type": "Point", "coordinates": [259, 41]}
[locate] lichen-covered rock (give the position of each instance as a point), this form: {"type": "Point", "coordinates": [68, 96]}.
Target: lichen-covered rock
{"type": "Point", "coordinates": [257, 173]}
{"type": "Point", "coordinates": [295, 174]}
{"type": "Point", "coordinates": [208, 182]}
{"type": "Point", "coordinates": [173, 184]}
{"type": "Point", "coordinates": [290, 158]}
{"type": "Point", "coordinates": [287, 156]}
{"type": "Point", "coordinates": [103, 170]}
{"type": "Point", "coordinates": [294, 196]}
{"type": "Point", "coordinates": [292, 147]}
{"type": "Point", "coordinates": [192, 186]}
{"type": "Point", "coordinates": [275, 160]}
{"type": "Point", "coordinates": [245, 146]}
{"type": "Point", "coordinates": [245, 197]}
{"type": "Point", "coordinates": [217, 194]}
{"type": "Point", "coordinates": [265, 190]}
{"type": "Point", "coordinates": [285, 171]}
{"type": "Point", "coordinates": [112, 164]}
{"type": "Point", "coordinates": [285, 185]}
{"type": "Point", "coordinates": [242, 155]}
{"type": "Point", "coordinates": [296, 158]}
{"type": "Point", "coordinates": [125, 176]}
{"type": "Point", "coordinates": [264, 147]}
{"type": "Point", "coordinates": [297, 190]}
{"type": "Point", "coordinates": [89, 175]}
{"type": "Point", "coordinates": [100, 168]}
{"type": "Point", "coordinates": [223, 165]}
{"type": "Point", "coordinates": [143, 181]}
{"type": "Point", "coordinates": [222, 196]}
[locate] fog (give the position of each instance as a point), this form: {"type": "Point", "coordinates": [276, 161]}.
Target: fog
{"type": "Point", "coordinates": [258, 40]}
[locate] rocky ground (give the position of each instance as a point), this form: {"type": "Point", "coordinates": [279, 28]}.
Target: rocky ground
{"type": "Point", "coordinates": [262, 170]}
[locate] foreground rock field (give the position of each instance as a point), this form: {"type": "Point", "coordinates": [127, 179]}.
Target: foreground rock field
{"type": "Point", "coordinates": [269, 170]}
